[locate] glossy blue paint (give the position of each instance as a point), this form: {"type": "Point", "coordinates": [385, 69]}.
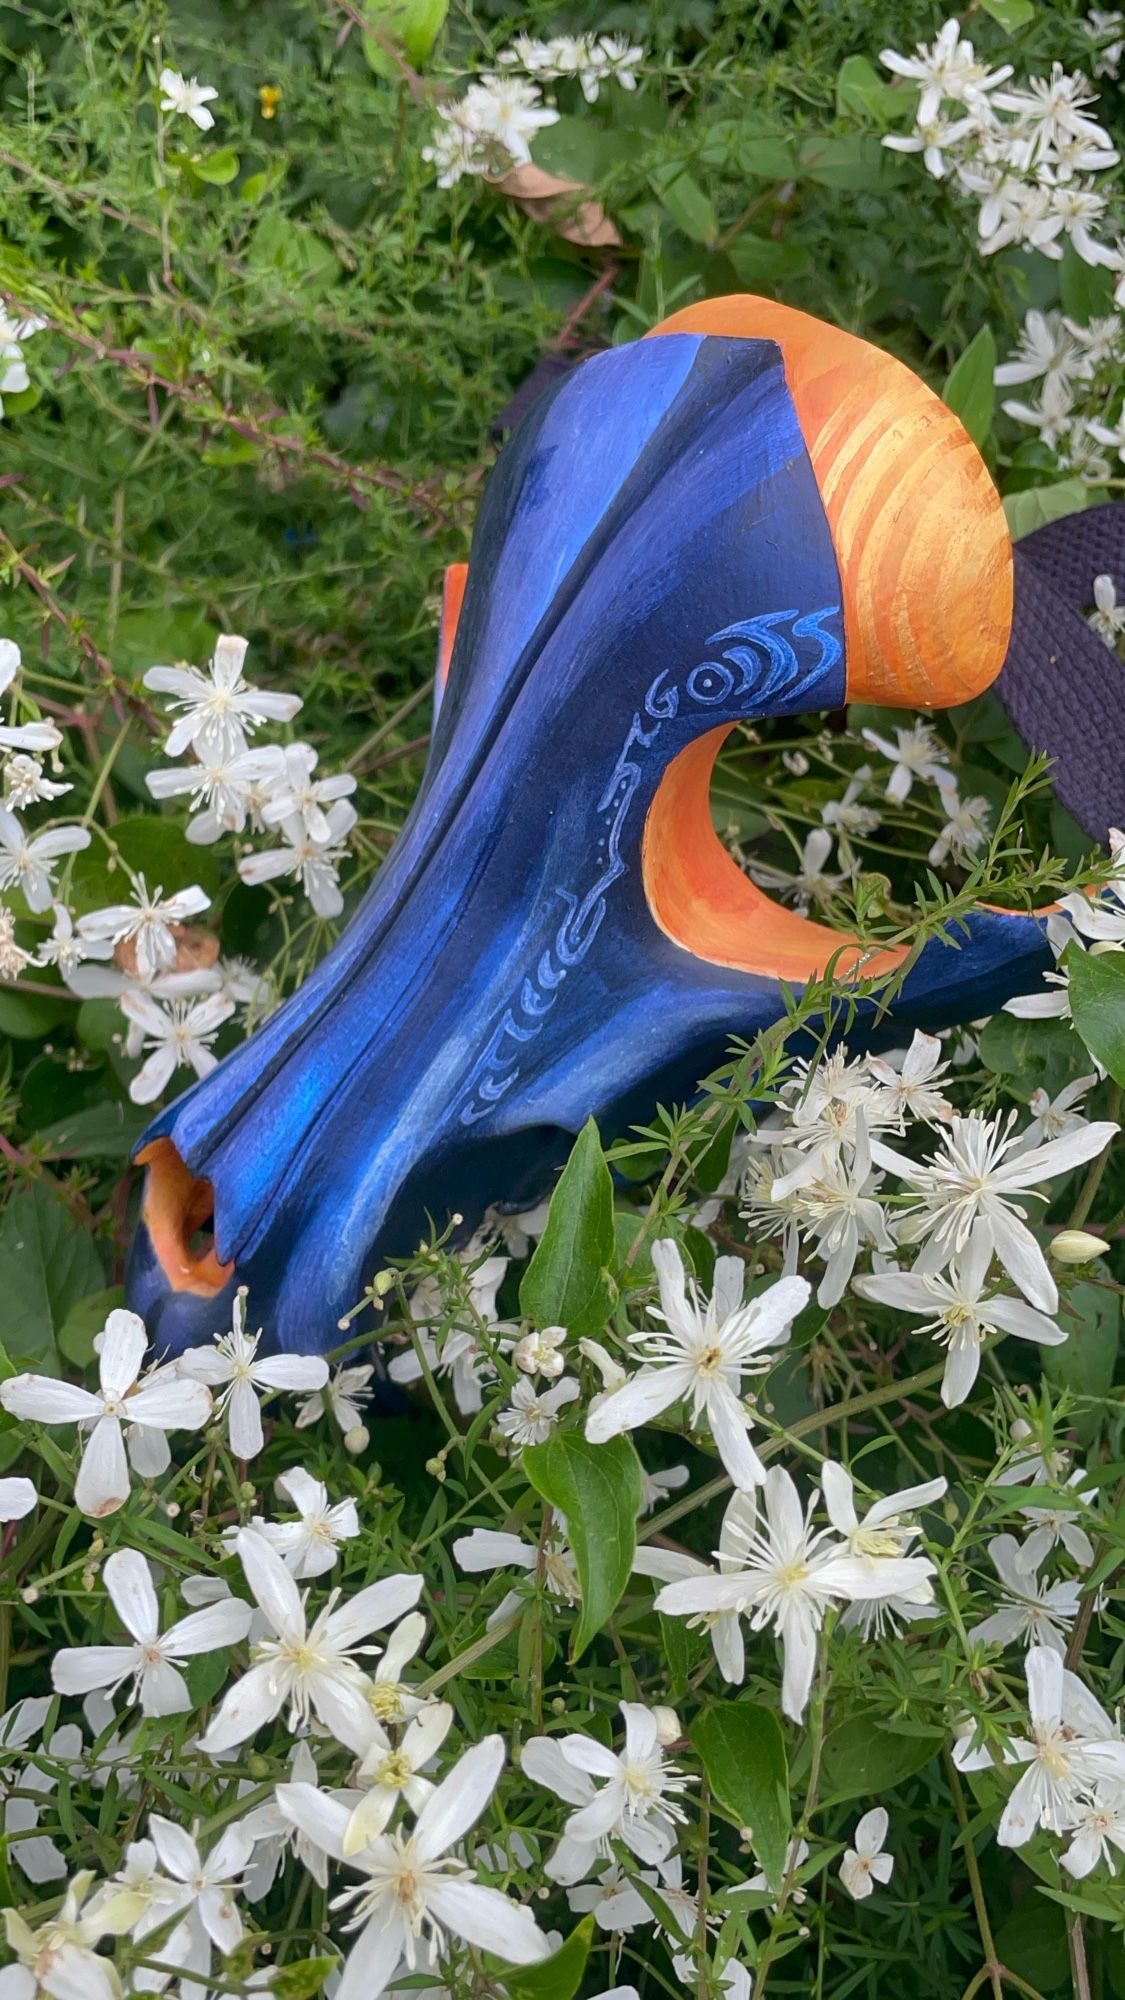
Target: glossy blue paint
{"type": "Point", "coordinates": [652, 560]}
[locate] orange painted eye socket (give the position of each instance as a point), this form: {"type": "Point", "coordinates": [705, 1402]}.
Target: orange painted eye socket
{"type": "Point", "coordinates": [921, 541]}
{"type": "Point", "coordinates": [702, 900]}
{"type": "Point", "coordinates": [178, 1211]}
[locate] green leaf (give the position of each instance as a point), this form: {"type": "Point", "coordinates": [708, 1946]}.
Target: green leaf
{"type": "Point", "coordinates": [862, 93]}
{"type": "Point", "coordinates": [218, 169]}
{"type": "Point", "coordinates": [557, 1977]}
{"type": "Point", "coordinates": [106, 1131]}
{"type": "Point", "coordinates": [47, 1264]}
{"type": "Point", "coordinates": [685, 204]}
{"type": "Point", "coordinates": [743, 1753]}
{"type": "Point", "coordinates": [970, 391]}
{"type": "Point", "coordinates": [411, 26]}
{"type": "Point", "coordinates": [1097, 1004]}
{"type": "Point", "coordinates": [27, 1017]}
{"type": "Point", "coordinates": [739, 146]}
{"type": "Point", "coordinates": [1086, 290]}
{"type": "Point", "coordinates": [302, 1978]}
{"type": "Point", "coordinates": [763, 259]}
{"type": "Point", "coordinates": [1011, 15]}
{"type": "Point", "coordinates": [598, 1488]}
{"type": "Point", "coordinates": [83, 1321]}
{"type": "Point", "coordinates": [567, 1281]}
{"type": "Point", "coordinates": [861, 1761]}
{"type": "Point", "coordinates": [1086, 1362]}
{"type": "Point", "coordinates": [1037, 505]}
{"type": "Point", "coordinates": [1032, 1055]}
{"type": "Point", "coordinates": [205, 1675]}
{"type": "Point", "coordinates": [858, 161]}
{"type": "Point", "coordinates": [683, 1648]}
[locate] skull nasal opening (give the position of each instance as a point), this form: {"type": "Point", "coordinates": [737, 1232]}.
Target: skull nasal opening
{"type": "Point", "coordinates": [179, 1212]}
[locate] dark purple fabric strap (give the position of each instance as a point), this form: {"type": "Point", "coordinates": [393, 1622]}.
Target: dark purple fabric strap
{"type": "Point", "coordinates": [1062, 686]}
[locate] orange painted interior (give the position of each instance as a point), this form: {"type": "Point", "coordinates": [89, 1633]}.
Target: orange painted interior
{"type": "Point", "coordinates": [702, 900]}
{"type": "Point", "coordinates": [452, 598]}
{"type": "Point", "coordinates": [176, 1204]}
{"type": "Point", "coordinates": [921, 541]}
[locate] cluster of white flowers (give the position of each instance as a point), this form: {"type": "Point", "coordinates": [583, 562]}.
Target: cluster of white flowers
{"type": "Point", "coordinates": [592, 59]}
{"type": "Point", "coordinates": [915, 755]}
{"type": "Point", "coordinates": [230, 785]}
{"type": "Point", "coordinates": [491, 127]}
{"type": "Point", "coordinates": [1072, 1784]}
{"type": "Point", "coordinates": [14, 377]}
{"type": "Point", "coordinates": [172, 987]}
{"type": "Point", "coordinates": [1026, 154]}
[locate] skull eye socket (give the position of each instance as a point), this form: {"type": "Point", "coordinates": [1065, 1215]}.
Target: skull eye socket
{"type": "Point", "coordinates": [179, 1213]}
{"type": "Point", "coordinates": [702, 900]}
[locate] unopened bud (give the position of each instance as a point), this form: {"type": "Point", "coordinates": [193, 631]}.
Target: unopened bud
{"type": "Point", "coordinates": [1076, 1246]}
{"type": "Point", "coordinates": [383, 1283]}
{"type": "Point", "coordinates": [29, 1594]}
{"type": "Point", "coordinates": [357, 1439]}
{"type": "Point", "coordinates": [668, 1729]}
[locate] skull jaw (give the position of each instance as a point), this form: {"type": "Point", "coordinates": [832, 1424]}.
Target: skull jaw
{"type": "Point", "coordinates": [305, 1273]}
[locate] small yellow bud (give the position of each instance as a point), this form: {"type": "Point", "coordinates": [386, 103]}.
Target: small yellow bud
{"type": "Point", "coordinates": [1076, 1246]}
{"type": "Point", "coordinates": [268, 99]}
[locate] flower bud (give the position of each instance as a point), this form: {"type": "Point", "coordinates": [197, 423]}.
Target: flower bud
{"type": "Point", "coordinates": [668, 1729]}
{"type": "Point", "coordinates": [357, 1439]}
{"type": "Point", "coordinates": [1076, 1246]}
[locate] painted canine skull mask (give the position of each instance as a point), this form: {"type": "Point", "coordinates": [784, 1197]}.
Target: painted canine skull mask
{"type": "Point", "coordinates": [748, 514]}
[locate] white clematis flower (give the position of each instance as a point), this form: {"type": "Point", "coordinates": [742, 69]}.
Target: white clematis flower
{"type": "Point", "coordinates": [232, 1368]}
{"type": "Point", "coordinates": [34, 736]}
{"type": "Point", "coordinates": [790, 1576]}
{"type": "Point", "coordinates": [1035, 1611]}
{"type": "Point", "coordinates": [27, 860]}
{"type": "Point", "coordinates": [971, 1189]}
{"type": "Point", "coordinates": [309, 1545]}
{"type": "Point", "coordinates": [146, 923]}
{"type": "Point", "coordinates": [309, 1669]}
{"type": "Point", "coordinates": [864, 1864]}
{"type": "Point", "coordinates": [533, 1413]}
{"type": "Point", "coordinates": [637, 1803]}
{"type": "Point", "coordinates": [959, 1312]}
{"type": "Point", "coordinates": [219, 711]}
{"type": "Point", "coordinates": [189, 99]}
{"type": "Point", "coordinates": [1098, 1828]}
{"type": "Point", "coordinates": [345, 1394]}
{"type": "Point", "coordinates": [412, 1888]}
{"type": "Point", "coordinates": [703, 1357]}
{"type": "Point", "coordinates": [154, 1658]}
{"type": "Point", "coordinates": [202, 1890]}
{"type": "Point", "coordinates": [61, 1959]}
{"type": "Point", "coordinates": [170, 1404]}
{"type": "Point", "coordinates": [179, 1036]}
{"type": "Point", "coordinates": [391, 1772]}
{"type": "Point", "coordinates": [1072, 1747]}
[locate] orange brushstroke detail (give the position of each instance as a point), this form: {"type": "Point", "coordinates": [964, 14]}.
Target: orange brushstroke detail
{"type": "Point", "coordinates": [702, 900]}
{"type": "Point", "coordinates": [920, 536]}
{"type": "Point", "coordinates": [176, 1204]}
{"type": "Point", "coordinates": [452, 598]}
